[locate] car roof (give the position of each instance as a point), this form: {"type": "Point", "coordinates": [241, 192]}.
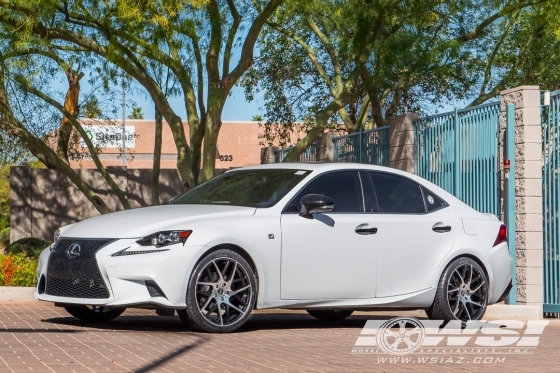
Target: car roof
{"type": "Point", "coordinates": [319, 166]}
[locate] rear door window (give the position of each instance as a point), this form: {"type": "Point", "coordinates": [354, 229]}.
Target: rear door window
{"type": "Point", "coordinates": [396, 194]}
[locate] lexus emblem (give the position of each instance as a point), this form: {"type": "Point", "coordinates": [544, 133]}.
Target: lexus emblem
{"type": "Point", "coordinates": [73, 251]}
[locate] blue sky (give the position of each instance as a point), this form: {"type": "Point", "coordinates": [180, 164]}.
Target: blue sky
{"type": "Point", "coordinates": [236, 108]}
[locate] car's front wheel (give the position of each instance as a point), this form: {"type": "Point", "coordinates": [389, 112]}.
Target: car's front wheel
{"type": "Point", "coordinates": [221, 293]}
{"type": "Point", "coordinates": [330, 315]}
{"type": "Point", "coordinates": [462, 293]}
{"type": "Point", "coordinates": [94, 313]}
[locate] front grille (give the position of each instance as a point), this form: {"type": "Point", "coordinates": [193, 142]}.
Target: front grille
{"type": "Point", "coordinates": [74, 273]}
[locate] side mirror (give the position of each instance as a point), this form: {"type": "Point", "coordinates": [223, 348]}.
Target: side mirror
{"type": "Point", "coordinates": [173, 199]}
{"type": "Point", "coordinates": [315, 204]}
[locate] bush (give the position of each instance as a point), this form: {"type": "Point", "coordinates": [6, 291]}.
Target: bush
{"type": "Point", "coordinates": [17, 270]}
{"type": "Point", "coordinates": [30, 246]}
{"type": "Point", "coordinates": [4, 238]}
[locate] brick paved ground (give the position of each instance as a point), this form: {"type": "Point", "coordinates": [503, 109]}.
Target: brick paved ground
{"type": "Point", "coordinates": [37, 337]}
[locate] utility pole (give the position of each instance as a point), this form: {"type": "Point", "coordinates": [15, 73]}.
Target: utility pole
{"type": "Point", "coordinates": [123, 123]}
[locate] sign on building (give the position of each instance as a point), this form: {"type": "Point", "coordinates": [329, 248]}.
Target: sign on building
{"type": "Point", "coordinates": [110, 136]}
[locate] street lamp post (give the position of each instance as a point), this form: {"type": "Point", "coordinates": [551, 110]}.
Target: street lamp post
{"type": "Point", "coordinates": [123, 124]}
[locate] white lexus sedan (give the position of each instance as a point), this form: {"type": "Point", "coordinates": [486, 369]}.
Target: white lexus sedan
{"type": "Point", "coordinates": [327, 238]}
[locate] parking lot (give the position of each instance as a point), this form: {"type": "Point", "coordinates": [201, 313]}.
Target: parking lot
{"type": "Point", "coordinates": [38, 337]}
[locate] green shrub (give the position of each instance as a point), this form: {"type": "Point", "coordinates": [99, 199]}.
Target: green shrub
{"type": "Point", "coordinates": [4, 238]}
{"type": "Point", "coordinates": [30, 246]}
{"type": "Point", "coordinates": [17, 270]}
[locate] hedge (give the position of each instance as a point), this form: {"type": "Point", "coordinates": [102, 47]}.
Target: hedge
{"type": "Point", "coordinates": [17, 270]}
{"type": "Point", "coordinates": [30, 246]}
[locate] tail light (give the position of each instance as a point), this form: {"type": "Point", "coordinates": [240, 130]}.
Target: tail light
{"type": "Point", "coordinates": [502, 235]}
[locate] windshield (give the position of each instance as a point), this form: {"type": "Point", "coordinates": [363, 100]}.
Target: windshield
{"type": "Point", "coordinates": [251, 188]}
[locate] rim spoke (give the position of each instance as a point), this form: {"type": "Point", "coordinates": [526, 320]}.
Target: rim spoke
{"type": "Point", "coordinates": [478, 287]}
{"type": "Point", "coordinates": [231, 293]}
{"type": "Point", "coordinates": [470, 277]}
{"type": "Point", "coordinates": [240, 300]}
{"type": "Point", "coordinates": [206, 304]}
{"type": "Point", "coordinates": [473, 303]}
{"type": "Point", "coordinates": [221, 278]}
{"type": "Point", "coordinates": [453, 290]}
{"type": "Point", "coordinates": [460, 277]}
{"type": "Point", "coordinates": [467, 310]}
{"type": "Point", "coordinates": [220, 314]}
{"type": "Point", "coordinates": [232, 274]}
{"type": "Point", "coordinates": [235, 308]}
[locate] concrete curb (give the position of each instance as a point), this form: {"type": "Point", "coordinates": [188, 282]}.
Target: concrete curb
{"type": "Point", "coordinates": [17, 293]}
{"type": "Point", "coordinates": [515, 311]}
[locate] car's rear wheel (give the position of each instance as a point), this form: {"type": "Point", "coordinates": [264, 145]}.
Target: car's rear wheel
{"type": "Point", "coordinates": [94, 313]}
{"type": "Point", "coordinates": [221, 293]}
{"type": "Point", "coordinates": [330, 315]}
{"type": "Point", "coordinates": [462, 293]}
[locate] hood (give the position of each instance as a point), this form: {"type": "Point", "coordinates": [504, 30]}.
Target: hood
{"type": "Point", "coordinates": [141, 222]}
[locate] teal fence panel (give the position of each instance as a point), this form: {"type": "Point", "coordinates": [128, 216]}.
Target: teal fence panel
{"type": "Point", "coordinates": [371, 146]}
{"type": "Point", "coordinates": [307, 156]}
{"type": "Point", "coordinates": [551, 196]}
{"type": "Point", "coordinates": [458, 151]}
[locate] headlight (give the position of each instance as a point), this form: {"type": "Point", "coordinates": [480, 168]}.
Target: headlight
{"type": "Point", "coordinates": [160, 239]}
{"type": "Point", "coordinates": [56, 235]}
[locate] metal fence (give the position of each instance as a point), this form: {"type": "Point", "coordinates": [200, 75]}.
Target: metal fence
{"type": "Point", "coordinates": [551, 197]}
{"type": "Point", "coordinates": [459, 152]}
{"type": "Point", "coordinates": [370, 146]}
{"type": "Point", "coordinates": [307, 156]}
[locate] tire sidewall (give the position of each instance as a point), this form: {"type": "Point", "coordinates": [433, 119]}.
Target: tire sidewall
{"type": "Point", "coordinates": [195, 318]}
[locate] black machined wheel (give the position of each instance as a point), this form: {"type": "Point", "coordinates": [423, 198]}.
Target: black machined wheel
{"type": "Point", "coordinates": [462, 293]}
{"type": "Point", "coordinates": [330, 315]}
{"type": "Point", "coordinates": [221, 293]}
{"type": "Point", "coordinates": [94, 313]}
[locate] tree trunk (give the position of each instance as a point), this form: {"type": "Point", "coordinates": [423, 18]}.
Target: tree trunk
{"type": "Point", "coordinates": [71, 105]}
{"type": "Point", "coordinates": [157, 159]}
{"type": "Point", "coordinates": [213, 126]}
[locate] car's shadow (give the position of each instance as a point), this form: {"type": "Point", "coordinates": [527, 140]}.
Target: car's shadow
{"type": "Point", "coordinates": [264, 321]}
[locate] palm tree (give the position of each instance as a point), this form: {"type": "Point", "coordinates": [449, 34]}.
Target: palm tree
{"type": "Point", "coordinates": [136, 113]}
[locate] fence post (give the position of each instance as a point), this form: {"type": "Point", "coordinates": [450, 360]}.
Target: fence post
{"type": "Point", "coordinates": [457, 153]}
{"type": "Point", "coordinates": [267, 154]}
{"type": "Point", "coordinates": [324, 147]}
{"type": "Point", "coordinates": [528, 225]}
{"type": "Point", "coordinates": [401, 141]}
{"type": "Point", "coordinates": [509, 208]}
{"type": "Point", "coordinates": [361, 139]}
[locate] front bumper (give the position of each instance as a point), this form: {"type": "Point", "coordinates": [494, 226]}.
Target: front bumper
{"type": "Point", "coordinates": [130, 279]}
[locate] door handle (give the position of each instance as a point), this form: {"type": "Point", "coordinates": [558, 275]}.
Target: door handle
{"type": "Point", "coordinates": [441, 228]}
{"type": "Point", "coordinates": [361, 229]}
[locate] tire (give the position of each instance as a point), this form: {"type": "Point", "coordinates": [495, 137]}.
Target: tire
{"type": "Point", "coordinates": [221, 293]}
{"type": "Point", "coordinates": [94, 313]}
{"type": "Point", "coordinates": [462, 292]}
{"type": "Point", "coordinates": [330, 315]}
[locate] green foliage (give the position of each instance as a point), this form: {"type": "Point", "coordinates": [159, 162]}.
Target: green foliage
{"type": "Point", "coordinates": [425, 55]}
{"type": "Point", "coordinates": [91, 108]}
{"type": "Point", "coordinates": [17, 270]}
{"type": "Point", "coordinates": [257, 118]}
{"type": "Point", "coordinates": [29, 246]}
{"type": "Point", "coordinates": [136, 113]}
{"type": "Point", "coordinates": [4, 238]}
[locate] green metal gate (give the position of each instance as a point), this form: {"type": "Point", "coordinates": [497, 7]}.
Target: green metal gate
{"type": "Point", "coordinates": [551, 196]}
{"type": "Point", "coordinates": [458, 151]}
